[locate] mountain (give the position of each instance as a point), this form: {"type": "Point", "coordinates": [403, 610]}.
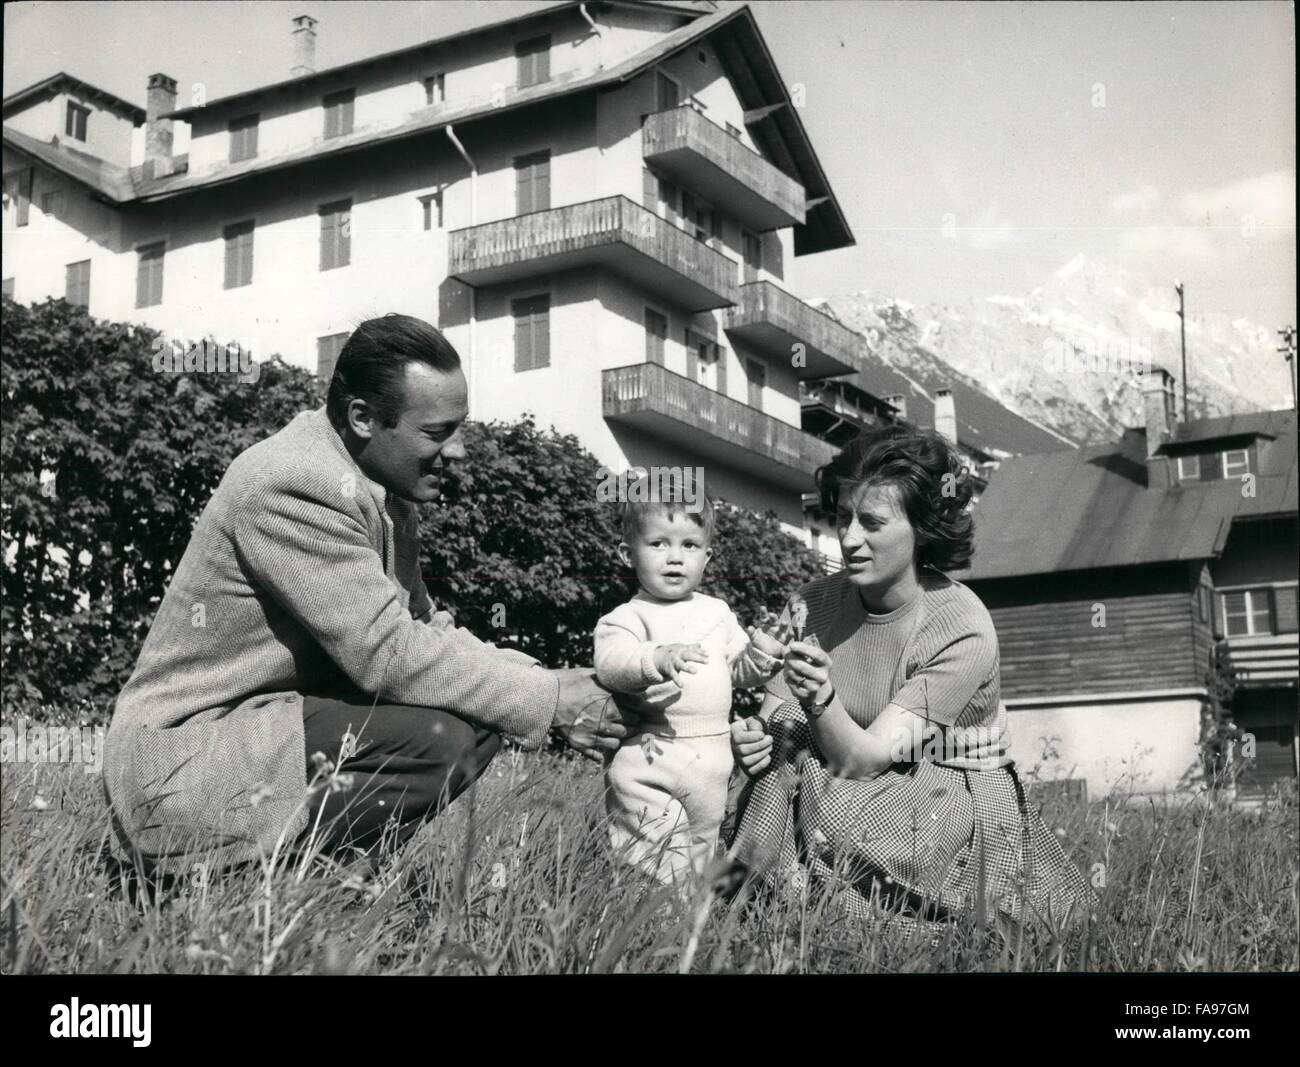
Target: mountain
{"type": "Point", "coordinates": [1064, 355]}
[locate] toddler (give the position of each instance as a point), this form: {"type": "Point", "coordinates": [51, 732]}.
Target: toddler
{"type": "Point", "coordinates": [681, 651]}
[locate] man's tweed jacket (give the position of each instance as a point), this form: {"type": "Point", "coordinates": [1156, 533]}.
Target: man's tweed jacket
{"type": "Point", "coordinates": [298, 574]}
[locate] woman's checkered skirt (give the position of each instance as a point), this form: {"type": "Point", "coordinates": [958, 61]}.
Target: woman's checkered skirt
{"type": "Point", "coordinates": [934, 839]}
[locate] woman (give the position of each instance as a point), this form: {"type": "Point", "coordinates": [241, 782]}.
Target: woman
{"type": "Point", "coordinates": [883, 764]}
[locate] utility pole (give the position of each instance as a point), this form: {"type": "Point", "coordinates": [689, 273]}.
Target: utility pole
{"type": "Point", "coordinates": [1182, 338]}
{"type": "Point", "coordinates": [1287, 348]}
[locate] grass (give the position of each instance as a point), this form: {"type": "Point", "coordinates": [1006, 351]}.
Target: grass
{"type": "Point", "coordinates": [515, 879]}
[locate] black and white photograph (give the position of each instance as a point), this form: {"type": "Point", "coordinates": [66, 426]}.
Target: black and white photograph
{"type": "Point", "coordinates": [650, 487]}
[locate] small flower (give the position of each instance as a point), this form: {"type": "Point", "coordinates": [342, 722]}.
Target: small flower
{"type": "Point", "coordinates": [39, 803]}
{"type": "Point", "coordinates": [500, 878]}
{"type": "Point", "coordinates": [260, 794]}
{"type": "Point", "coordinates": [341, 783]}
{"type": "Point", "coordinates": [1059, 831]}
{"type": "Point", "coordinates": [322, 763]}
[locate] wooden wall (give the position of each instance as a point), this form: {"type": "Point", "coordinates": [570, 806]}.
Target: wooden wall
{"type": "Point", "coordinates": [1152, 637]}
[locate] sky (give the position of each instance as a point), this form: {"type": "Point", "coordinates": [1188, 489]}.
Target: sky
{"type": "Point", "coordinates": [975, 147]}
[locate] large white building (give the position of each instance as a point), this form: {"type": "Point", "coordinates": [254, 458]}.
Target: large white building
{"type": "Point", "coordinates": [596, 202]}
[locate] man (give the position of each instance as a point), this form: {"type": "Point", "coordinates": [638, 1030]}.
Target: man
{"type": "Point", "coordinates": [297, 623]}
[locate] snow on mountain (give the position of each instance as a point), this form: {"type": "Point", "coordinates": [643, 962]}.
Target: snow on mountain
{"type": "Point", "coordinates": [1069, 354]}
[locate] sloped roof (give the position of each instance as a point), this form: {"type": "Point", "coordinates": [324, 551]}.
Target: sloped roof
{"type": "Point", "coordinates": [1091, 507]}
{"type": "Point", "coordinates": [106, 179]}
{"type": "Point", "coordinates": [982, 422]}
{"type": "Point", "coordinates": [1248, 424]}
{"type": "Point", "coordinates": [61, 82]}
{"type": "Point", "coordinates": [734, 33]}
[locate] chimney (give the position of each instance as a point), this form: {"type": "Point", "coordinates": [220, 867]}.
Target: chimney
{"type": "Point", "coordinates": [899, 401]}
{"type": "Point", "coordinates": [160, 99]}
{"type": "Point", "coordinates": [304, 46]}
{"type": "Point", "coordinates": [1158, 407]}
{"type": "Point", "coordinates": [945, 415]}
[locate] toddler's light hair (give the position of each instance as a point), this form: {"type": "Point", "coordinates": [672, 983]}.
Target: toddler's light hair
{"type": "Point", "coordinates": [634, 512]}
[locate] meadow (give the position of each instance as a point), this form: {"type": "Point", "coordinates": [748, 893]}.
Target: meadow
{"type": "Point", "coordinates": [515, 878]}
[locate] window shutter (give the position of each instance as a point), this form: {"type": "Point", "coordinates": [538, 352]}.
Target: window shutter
{"type": "Point", "coordinates": [692, 357]}
{"type": "Point", "coordinates": [774, 254]}
{"type": "Point", "coordinates": [721, 354]}
{"type": "Point", "coordinates": [542, 183]}
{"type": "Point", "coordinates": [649, 190]}
{"type": "Point", "coordinates": [149, 276]}
{"type": "Point", "coordinates": [77, 283]}
{"type": "Point", "coordinates": [1284, 600]}
{"type": "Point", "coordinates": [23, 201]}
{"type": "Point", "coordinates": [656, 332]}
{"type": "Point", "coordinates": [532, 317]}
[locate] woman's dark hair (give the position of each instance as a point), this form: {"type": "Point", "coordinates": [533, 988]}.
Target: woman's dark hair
{"type": "Point", "coordinates": [372, 365]}
{"type": "Point", "coordinates": [934, 484]}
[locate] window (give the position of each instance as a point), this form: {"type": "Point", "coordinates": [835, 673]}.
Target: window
{"type": "Point", "coordinates": [757, 379]}
{"type": "Point", "coordinates": [532, 183]}
{"type": "Point", "coordinates": [533, 59]}
{"type": "Point", "coordinates": [668, 94]}
{"type": "Point", "coordinates": [7, 288]}
{"type": "Point", "coordinates": [338, 112]}
{"type": "Point", "coordinates": [668, 198]}
{"type": "Point", "coordinates": [435, 89]}
{"type": "Point", "coordinates": [1203, 605]}
{"type": "Point", "coordinates": [243, 138]}
{"type": "Point", "coordinates": [656, 333]}
{"type": "Point", "coordinates": [532, 332]}
{"type": "Point", "coordinates": [1189, 468]}
{"type": "Point", "coordinates": [713, 368]}
{"type": "Point", "coordinates": [699, 218]}
{"type": "Point", "coordinates": [149, 274]}
{"type": "Point", "coordinates": [18, 188]}
{"type": "Point", "coordinates": [752, 250]}
{"type": "Point", "coordinates": [239, 254]}
{"type": "Point", "coordinates": [336, 235]}
{"type": "Point", "coordinates": [699, 356]}
{"type": "Point", "coordinates": [78, 116]}
{"type": "Point", "coordinates": [1247, 611]}
{"type": "Point", "coordinates": [431, 209]}
{"type": "Point", "coordinates": [1236, 462]}
{"type": "Point", "coordinates": [327, 354]}
{"type": "Point", "coordinates": [52, 205]}
{"type": "Point", "coordinates": [77, 287]}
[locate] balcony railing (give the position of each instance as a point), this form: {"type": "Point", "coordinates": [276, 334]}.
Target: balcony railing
{"type": "Point", "coordinates": [704, 158]}
{"type": "Point", "coordinates": [615, 233]}
{"type": "Point", "coordinates": [1269, 661]}
{"type": "Point", "coordinates": [769, 316]}
{"type": "Point", "coordinates": [648, 396]}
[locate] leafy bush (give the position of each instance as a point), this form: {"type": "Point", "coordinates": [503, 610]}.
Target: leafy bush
{"type": "Point", "coordinates": [107, 464]}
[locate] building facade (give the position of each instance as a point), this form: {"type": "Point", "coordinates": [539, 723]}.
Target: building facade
{"type": "Point", "coordinates": [595, 202]}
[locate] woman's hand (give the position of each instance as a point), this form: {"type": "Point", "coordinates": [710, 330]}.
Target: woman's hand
{"type": "Point", "coordinates": [752, 745]}
{"type": "Point", "coordinates": [675, 660]}
{"type": "Point", "coordinates": [808, 671]}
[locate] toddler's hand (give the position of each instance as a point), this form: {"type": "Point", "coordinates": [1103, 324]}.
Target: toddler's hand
{"type": "Point", "coordinates": [676, 660]}
{"type": "Point", "coordinates": [767, 644]}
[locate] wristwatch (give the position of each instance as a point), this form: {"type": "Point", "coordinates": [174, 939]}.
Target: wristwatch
{"type": "Point", "coordinates": [816, 710]}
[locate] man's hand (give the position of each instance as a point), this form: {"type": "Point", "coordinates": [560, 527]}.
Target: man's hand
{"type": "Point", "coordinates": [675, 660]}
{"type": "Point", "coordinates": [752, 745]}
{"type": "Point", "coordinates": [587, 717]}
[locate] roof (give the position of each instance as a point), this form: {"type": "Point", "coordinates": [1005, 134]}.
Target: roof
{"type": "Point", "coordinates": [983, 424]}
{"type": "Point", "coordinates": [1249, 424]}
{"type": "Point", "coordinates": [109, 181]}
{"type": "Point", "coordinates": [1091, 507]}
{"type": "Point", "coordinates": [735, 34]}
{"type": "Point", "coordinates": [62, 82]}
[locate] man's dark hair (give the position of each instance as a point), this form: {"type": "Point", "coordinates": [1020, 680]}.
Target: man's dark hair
{"type": "Point", "coordinates": [934, 483]}
{"type": "Point", "coordinates": [372, 365]}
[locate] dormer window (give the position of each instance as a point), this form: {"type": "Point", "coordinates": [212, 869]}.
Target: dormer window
{"type": "Point", "coordinates": [533, 58]}
{"type": "Point", "coordinates": [78, 117]}
{"type": "Point", "coordinates": [338, 112]}
{"type": "Point", "coordinates": [243, 138]}
{"type": "Point", "coordinates": [1236, 462]}
{"type": "Point", "coordinates": [1189, 468]}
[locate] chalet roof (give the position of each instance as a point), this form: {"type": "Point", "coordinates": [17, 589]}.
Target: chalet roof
{"type": "Point", "coordinates": [734, 33]}
{"type": "Point", "coordinates": [983, 423]}
{"type": "Point", "coordinates": [106, 179]}
{"type": "Point", "coordinates": [61, 82]}
{"type": "Point", "coordinates": [1091, 507]}
{"type": "Point", "coordinates": [1195, 431]}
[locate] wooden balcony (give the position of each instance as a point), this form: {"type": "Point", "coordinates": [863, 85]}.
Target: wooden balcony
{"type": "Point", "coordinates": [703, 158]}
{"type": "Point", "coordinates": [830, 414]}
{"type": "Point", "coordinates": [771, 319]}
{"type": "Point", "coordinates": [613, 233]}
{"type": "Point", "coordinates": [1267, 661]}
{"type": "Point", "coordinates": [658, 401]}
